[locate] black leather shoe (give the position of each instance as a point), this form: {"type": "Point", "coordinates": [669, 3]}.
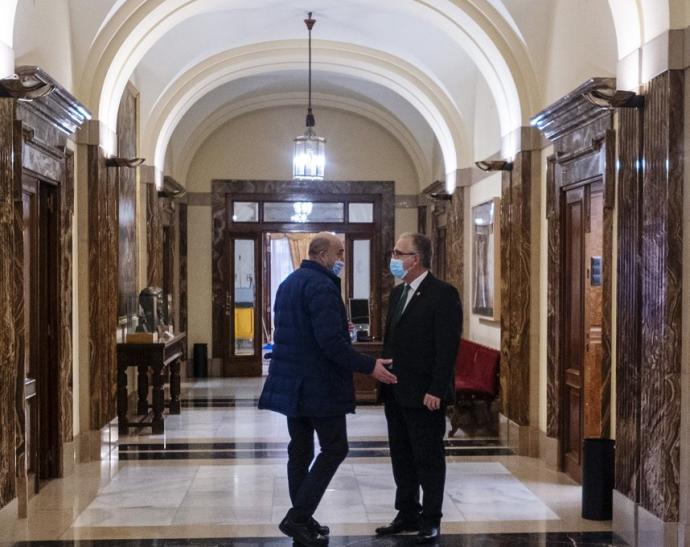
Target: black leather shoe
{"type": "Point", "coordinates": [428, 534]}
{"type": "Point", "coordinates": [398, 525]}
{"type": "Point", "coordinates": [302, 534]}
{"type": "Point", "coordinates": [319, 528]}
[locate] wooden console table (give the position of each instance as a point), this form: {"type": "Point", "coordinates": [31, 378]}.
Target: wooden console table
{"type": "Point", "coordinates": [159, 357]}
{"type": "Point", "coordinates": [366, 386]}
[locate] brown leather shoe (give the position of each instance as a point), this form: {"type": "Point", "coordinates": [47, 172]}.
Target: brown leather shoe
{"type": "Point", "coordinates": [398, 525]}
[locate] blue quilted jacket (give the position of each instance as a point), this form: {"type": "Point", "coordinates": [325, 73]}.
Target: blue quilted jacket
{"type": "Point", "coordinates": [313, 360]}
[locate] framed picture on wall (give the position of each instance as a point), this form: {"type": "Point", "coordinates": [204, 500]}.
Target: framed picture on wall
{"type": "Point", "coordinates": [486, 256]}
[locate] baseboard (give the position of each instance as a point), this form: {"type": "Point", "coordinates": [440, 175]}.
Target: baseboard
{"type": "Point", "coordinates": [640, 528]}
{"type": "Point", "coordinates": [68, 459]}
{"type": "Point", "coordinates": [523, 440]}
{"type": "Point", "coordinates": [548, 451]}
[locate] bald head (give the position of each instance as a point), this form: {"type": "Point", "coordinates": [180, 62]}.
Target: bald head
{"type": "Point", "coordinates": [325, 248]}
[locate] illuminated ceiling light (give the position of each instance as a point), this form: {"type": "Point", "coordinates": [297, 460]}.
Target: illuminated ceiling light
{"type": "Point", "coordinates": [302, 211]}
{"type": "Point", "coordinates": [309, 157]}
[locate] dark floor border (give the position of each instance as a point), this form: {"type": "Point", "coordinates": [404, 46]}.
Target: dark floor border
{"type": "Point", "coordinates": [554, 539]}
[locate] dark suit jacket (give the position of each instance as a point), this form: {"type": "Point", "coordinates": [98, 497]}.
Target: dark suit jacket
{"type": "Point", "coordinates": [424, 343]}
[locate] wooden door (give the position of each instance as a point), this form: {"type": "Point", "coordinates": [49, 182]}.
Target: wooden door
{"type": "Point", "coordinates": [39, 233]}
{"type": "Point", "coordinates": [581, 380]}
{"type": "Point", "coordinates": [573, 332]}
{"type": "Point", "coordinates": [243, 305]}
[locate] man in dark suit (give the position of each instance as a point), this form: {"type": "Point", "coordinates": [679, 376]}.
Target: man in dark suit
{"type": "Point", "coordinates": [422, 337]}
{"type": "Point", "coordinates": [310, 380]}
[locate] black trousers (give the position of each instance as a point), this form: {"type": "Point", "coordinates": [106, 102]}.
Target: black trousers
{"type": "Point", "coordinates": [308, 484]}
{"type": "Point", "coordinates": [418, 457]}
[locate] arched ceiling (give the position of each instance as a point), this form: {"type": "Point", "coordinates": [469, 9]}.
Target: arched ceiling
{"type": "Point", "coordinates": [411, 64]}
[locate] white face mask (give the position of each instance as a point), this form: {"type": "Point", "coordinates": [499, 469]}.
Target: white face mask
{"type": "Point", "coordinates": [338, 267]}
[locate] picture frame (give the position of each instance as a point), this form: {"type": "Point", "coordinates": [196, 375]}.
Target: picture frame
{"type": "Point", "coordinates": [486, 259]}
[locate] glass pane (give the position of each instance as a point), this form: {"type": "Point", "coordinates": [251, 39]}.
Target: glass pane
{"type": "Point", "coordinates": [361, 212]}
{"type": "Point", "coordinates": [245, 211]}
{"type": "Point", "coordinates": [303, 211]}
{"type": "Point", "coordinates": [361, 273]}
{"type": "Point", "coordinates": [245, 297]}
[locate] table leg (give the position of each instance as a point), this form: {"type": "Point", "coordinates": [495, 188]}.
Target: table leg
{"type": "Point", "coordinates": [158, 400]}
{"type": "Point", "coordinates": [175, 387]}
{"type": "Point", "coordinates": [143, 390]}
{"type": "Point", "coordinates": [122, 423]}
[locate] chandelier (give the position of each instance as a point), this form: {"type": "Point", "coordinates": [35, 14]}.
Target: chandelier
{"type": "Point", "coordinates": [309, 157]}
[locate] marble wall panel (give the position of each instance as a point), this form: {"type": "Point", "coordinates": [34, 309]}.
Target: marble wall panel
{"type": "Point", "coordinates": [182, 242]}
{"type": "Point", "coordinates": [65, 261]}
{"type": "Point", "coordinates": [661, 281]}
{"type": "Point", "coordinates": [455, 230]}
{"type": "Point", "coordinates": [103, 286]}
{"type": "Point", "coordinates": [506, 247]}
{"type": "Point", "coordinates": [154, 237]}
{"type": "Point", "coordinates": [515, 345]}
{"type": "Point", "coordinates": [553, 300]}
{"type": "Point", "coordinates": [220, 214]}
{"type": "Point", "coordinates": [127, 241]}
{"type": "Point", "coordinates": [628, 319]}
{"type": "Point", "coordinates": [8, 372]}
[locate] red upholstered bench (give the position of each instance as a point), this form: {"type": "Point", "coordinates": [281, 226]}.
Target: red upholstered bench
{"type": "Point", "coordinates": [476, 384]}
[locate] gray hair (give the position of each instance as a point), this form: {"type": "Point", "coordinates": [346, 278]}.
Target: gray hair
{"type": "Point", "coordinates": [422, 246]}
{"type": "Point", "coordinates": [321, 243]}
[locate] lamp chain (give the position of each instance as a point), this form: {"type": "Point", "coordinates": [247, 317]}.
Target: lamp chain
{"type": "Point", "coordinates": [311, 122]}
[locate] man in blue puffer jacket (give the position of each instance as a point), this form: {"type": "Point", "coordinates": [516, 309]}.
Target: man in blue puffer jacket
{"type": "Point", "coordinates": [310, 381]}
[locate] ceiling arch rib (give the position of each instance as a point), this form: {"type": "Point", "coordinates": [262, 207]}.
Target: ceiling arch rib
{"type": "Point", "coordinates": [221, 116]}
{"type": "Point", "coordinates": [128, 35]}
{"type": "Point", "coordinates": [374, 66]}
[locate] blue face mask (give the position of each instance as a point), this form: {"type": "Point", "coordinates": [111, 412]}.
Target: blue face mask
{"type": "Point", "coordinates": [338, 267]}
{"type": "Point", "coordinates": [397, 269]}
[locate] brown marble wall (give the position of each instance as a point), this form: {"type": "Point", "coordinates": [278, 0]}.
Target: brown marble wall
{"type": "Point", "coordinates": [455, 225]}
{"type": "Point", "coordinates": [8, 371]}
{"type": "Point", "coordinates": [515, 289]}
{"type": "Point", "coordinates": [661, 286]}
{"type": "Point", "coordinates": [553, 300]}
{"type": "Point", "coordinates": [628, 319]}
{"type": "Point", "coordinates": [103, 285]}
{"type": "Point", "coordinates": [154, 237]}
{"type": "Point", "coordinates": [182, 251]}
{"type": "Point", "coordinates": [127, 187]}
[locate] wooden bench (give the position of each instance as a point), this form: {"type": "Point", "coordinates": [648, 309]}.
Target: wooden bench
{"type": "Point", "coordinates": [476, 389]}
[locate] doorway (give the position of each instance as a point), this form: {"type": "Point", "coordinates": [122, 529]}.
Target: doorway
{"type": "Point", "coordinates": [582, 321]}
{"type": "Point", "coordinates": [39, 233]}
{"type": "Point", "coordinates": [264, 237]}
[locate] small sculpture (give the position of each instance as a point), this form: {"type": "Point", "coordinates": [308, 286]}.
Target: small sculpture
{"type": "Point", "coordinates": [150, 309]}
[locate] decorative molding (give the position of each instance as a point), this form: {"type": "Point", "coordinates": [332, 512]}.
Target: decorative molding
{"type": "Point", "coordinates": [406, 201]}
{"type": "Point", "coordinates": [572, 111]}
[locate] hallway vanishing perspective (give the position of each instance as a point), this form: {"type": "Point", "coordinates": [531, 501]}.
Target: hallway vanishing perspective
{"type": "Point", "coordinates": [165, 165]}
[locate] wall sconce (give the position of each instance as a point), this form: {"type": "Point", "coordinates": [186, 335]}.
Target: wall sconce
{"type": "Point", "coordinates": [441, 196]}
{"type": "Point", "coordinates": [612, 98]}
{"type": "Point", "coordinates": [171, 189]}
{"type": "Point", "coordinates": [123, 162]}
{"type": "Point", "coordinates": [494, 165]}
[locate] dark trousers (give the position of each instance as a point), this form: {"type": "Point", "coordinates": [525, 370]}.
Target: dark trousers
{"type": "Point", "coordinates": [416, 436]}
{"type": "Point", "coordinates": [307, 485]}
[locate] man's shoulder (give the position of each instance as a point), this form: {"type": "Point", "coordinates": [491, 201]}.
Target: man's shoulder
{"type": "Point", "coordinates": [441, 287]}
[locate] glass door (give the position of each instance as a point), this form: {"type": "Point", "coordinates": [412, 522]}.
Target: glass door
{"type": "Point", "coordinates": [243, 306]}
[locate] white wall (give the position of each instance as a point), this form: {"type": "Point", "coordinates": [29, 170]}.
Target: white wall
{"type": "Point", "coordinates": [42, 37]}
{"type": "Point", "coordinates": [582, 45]}
{"type": "Point", "coordinates": [487, 131]}
{"type": "Point", "coordinates": [258, 145]}
{"type": "Point", "coordinates": [481, 331]}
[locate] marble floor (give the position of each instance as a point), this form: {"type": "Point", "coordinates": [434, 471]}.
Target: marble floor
{"type": "Point", "coordinates": [219, 472]}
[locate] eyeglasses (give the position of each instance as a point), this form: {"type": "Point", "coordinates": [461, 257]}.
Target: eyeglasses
{"type": "Point", "coordinates": [397, 254]}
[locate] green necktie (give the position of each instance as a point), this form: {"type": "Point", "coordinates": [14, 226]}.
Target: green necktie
{"type": "Point", "coordinates": [400, 306]}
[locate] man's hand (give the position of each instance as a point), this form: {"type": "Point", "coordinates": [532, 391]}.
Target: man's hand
{"type": "Point", "coordinates": [381, 374]}
{"type": "Point", "coordinates": [431, 402]}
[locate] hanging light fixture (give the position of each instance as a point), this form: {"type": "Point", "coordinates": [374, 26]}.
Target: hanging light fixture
{"type": "Point", "coordinates": [309, 158]}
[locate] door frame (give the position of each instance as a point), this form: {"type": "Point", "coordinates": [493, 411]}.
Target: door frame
{"type": "Point", "coordinates": [381, 193]}
{"type": "Point", "coordinates": [578, 162]}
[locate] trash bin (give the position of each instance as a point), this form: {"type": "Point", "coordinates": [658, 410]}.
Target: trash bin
{"type": "Point", "coordinates": [200, 360]}
{"type": "Point", "coordinates": [598, 468]}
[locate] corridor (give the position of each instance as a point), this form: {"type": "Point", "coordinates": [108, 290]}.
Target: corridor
{"type": "Point", "coordinates": [217, 477]}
